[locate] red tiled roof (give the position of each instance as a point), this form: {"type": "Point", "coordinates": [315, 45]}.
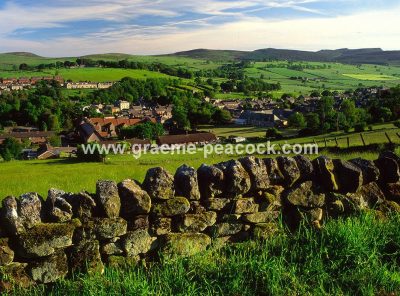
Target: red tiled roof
{"type": "Point", "coordinates": [117, 121]}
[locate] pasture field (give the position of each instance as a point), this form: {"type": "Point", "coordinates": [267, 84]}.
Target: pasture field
{"type": "Point", "coordinates": [103, 75]}
{"type": "Point", "coordinates": [373, 77]}
{"type": "Point", "coordinates": [313, 76]}
{"type": "Point", "coordinates": [72, 176]}
{"type": "Point", "coordinates": [88, 74]}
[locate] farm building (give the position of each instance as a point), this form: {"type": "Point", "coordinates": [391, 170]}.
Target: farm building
{"type": "Point", "coordinates": [34, 137]}
{"type": "Point", "coordinates": [196, 138]}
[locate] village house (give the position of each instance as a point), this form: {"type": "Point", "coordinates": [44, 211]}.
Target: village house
{"type": "Point", "coordinates": [163, 113]}
{"type": "Point", "coordinates": [179, 140]}
{"type": "Point", "coordinates": [88, 85]}
{"type": "Point", "coordinates": [101, 129]}
{"type": "Point", "coordinates": [8, 81]}
{"type": "Point", "coordinates": [81, 85]}
{"type": "Point", "coordinates": [104, 85]}
{"type": "Point", "coordinates": [15, 84]}
{"type": "Point", "coordinates": [24, 81]}
{"type": "Point", "coordinates": [265, 118]}
{"type": "Point", "coordinates": [122, 105]}
{"type": "Point", "coordinates": [16, 87]}
{"type": "Point", "coordinates": [34, 138]}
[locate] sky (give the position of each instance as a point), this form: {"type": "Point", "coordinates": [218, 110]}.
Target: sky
{"type": "Point", "coordinates": [74, 28]}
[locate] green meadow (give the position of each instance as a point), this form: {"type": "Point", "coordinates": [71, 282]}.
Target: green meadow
{"type": "Point", "coordinates": [72, 176]}
{"type": "Point", "coordinates": [314, 76]}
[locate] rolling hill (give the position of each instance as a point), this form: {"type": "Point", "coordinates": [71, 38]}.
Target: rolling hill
{"type": "Point", "coordinates": [351, 56]}
{"type": "Point", "coordinates": [344, 55]}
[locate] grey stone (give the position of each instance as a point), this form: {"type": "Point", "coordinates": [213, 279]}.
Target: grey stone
{"type": "Point", "coordinates": [274, 174]}
{"type": "Point", "coordinates": [197, 222]}
{"type": "Point", "coordinates": [49, 269]}
{"type": "Point", "coordinates": [349, 177]}
{"type": "Point", "coordinates": [263, 231]}
{"type": "Point", "coordinates": [245, 206]}
{"type": "Point", "coordinates": [226, 229]}
{"type": "Point", "coordinates": [83, 205]}
{"type": "Point", "coordinates": [324, 170]}
{"type": "Point", "coordinates": [134, 200]}
{"type": "Point", "coordinates": [211, 181]}
{"type": "Point", "coordinates": [106, 228]}
{"type": "Point", "coordinates": [185, 244]}
{"type": "Point", "coordinates": [107, 198]}
{"type": "Point", "coordinates": [6, 253]}
{"type": "Point", "coordinates": [186, 183]}
{"type": "Point", "coordinates": [161, 226]}
{"type": "Point", "coordinates": [289, 169]}
{"type": "Point", "coordinates": [138, 242]}
{"type": "Point", "coordinates": [11, 223]}
{"type": "Point", "coordinates": [369, 171]}
{"type": "Point", "coordinates": [305, 166]}
{"type": "Point", "coordinates": [261, 217]}
{"type": "Point", "coordinates": [237, 179]}
{"type": "Point", "coordinates": [306, 195]}
{"type": "Point", "coordinates": [257, 171]}
{"type": "Point", "coordinates": [172, 207]}
{"type": "Point", "coordinates": [389, 169]}
{"type": "Point", "coordinates": [57, 207]}
{"type": "Point", "coordinates": [86, 258]}
{"type": "Point", "coordinates": [30, 209]}
{"type": "Point", "coordinates": [112, 248]}
{"type": "Point", "coordinates": [218, 204]}
{"type": "Point", "coordinates": [159, 184]}
{"type": "Point", "coordinates": [44, 239]}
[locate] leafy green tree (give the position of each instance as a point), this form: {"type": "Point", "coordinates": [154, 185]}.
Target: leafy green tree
{"type": "Point", "coordinates": [312, 122]}
{"type": "Point", "coordinates": [385, 114]}
{"type": "Point", "coordinates": [180, 116]}
{"type": "Point", "coordinates": [53, 123]}
{"type": "Point", "coordinates": [349, 110]}
{"type": "Point", "coordinates": [297, 120]}
{"type": "Point", "coordinates": [97, 156]}
{"type": "Point", "coordinates": [360, 127]}
{"type": "Point", "coordinates": [222, 116]}
{"type": "Point", "coordinates": [327, 93]}
{"type": "Point", "coordinates": [148, 130]}
{"type": "Point", "coordinates": [11, 149]}
{"type": "Point", "coordinates": [55, 141]}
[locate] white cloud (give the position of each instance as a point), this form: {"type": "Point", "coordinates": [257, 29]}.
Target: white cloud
{"type": "Point", "coordinates": [369, 29]}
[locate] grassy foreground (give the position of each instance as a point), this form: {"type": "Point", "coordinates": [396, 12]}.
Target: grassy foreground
{"type": "Point", "coordinates": [354, 256]}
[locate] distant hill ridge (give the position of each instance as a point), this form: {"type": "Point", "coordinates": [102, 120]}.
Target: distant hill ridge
{"type": "Point", "coordinates": [343, 55]}
{"type": "Point", "coordinates": [24, 54]}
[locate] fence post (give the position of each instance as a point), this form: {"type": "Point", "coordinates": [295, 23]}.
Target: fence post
{"type": "Point", "coordinates": [326, 145]}
{"type": "Point", "coordinates": [362, 139]}
{"type": "Point", "coordinates": [337, 143]}
{"type": "Point", "coordinates": [387, 136]}
{"type": "Point", "coordinates": [348, 142]}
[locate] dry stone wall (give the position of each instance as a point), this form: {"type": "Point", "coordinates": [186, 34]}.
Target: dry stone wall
{"type": "Point", "coordinates": [182, 214]}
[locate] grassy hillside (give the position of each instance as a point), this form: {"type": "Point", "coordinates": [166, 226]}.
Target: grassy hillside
{"type": "Point", "coordinates": [351, 56]}
{"type": "Point", "coordinates": [297, 78]}
{"type": "Point", "coordinates": [213, 55]}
